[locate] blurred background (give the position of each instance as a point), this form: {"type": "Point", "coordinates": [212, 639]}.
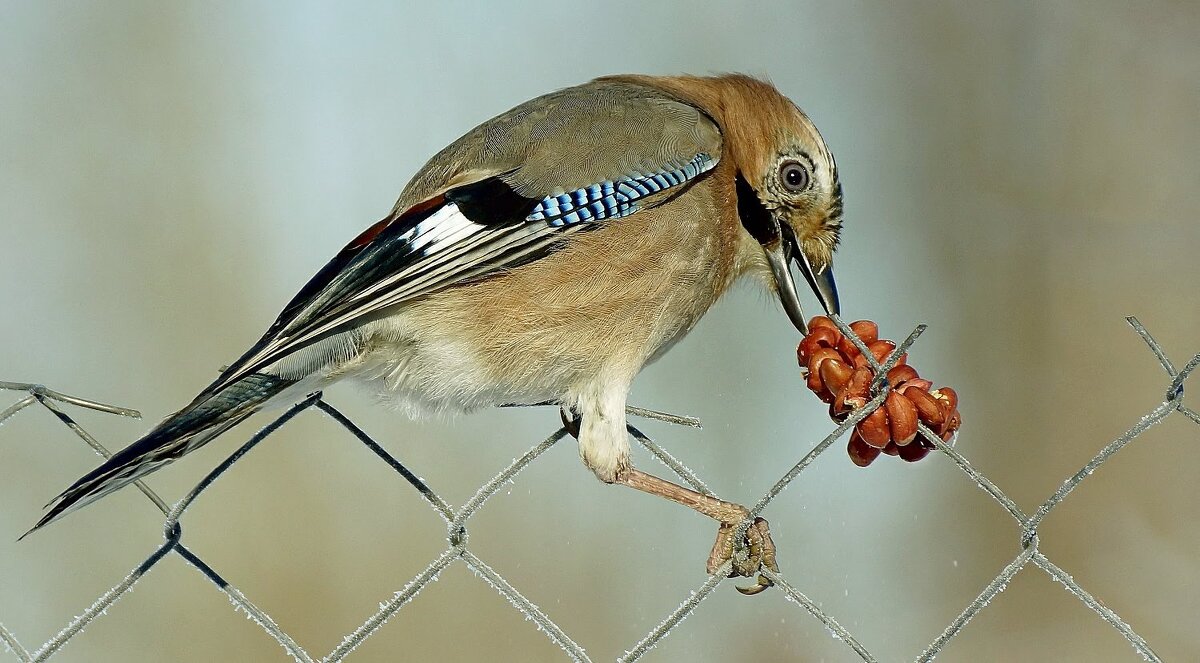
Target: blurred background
{"type": "Point", "coordinates": [1019, 176]}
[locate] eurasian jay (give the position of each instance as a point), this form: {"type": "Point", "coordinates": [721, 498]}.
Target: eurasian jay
{"type": "Point", "coordinates": [547, 255]}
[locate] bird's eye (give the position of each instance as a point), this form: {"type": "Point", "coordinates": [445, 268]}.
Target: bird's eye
{"type": "Point", "coordinates": [794, 176]}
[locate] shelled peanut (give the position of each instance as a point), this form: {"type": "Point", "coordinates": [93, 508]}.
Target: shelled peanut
{"type": "Point", "coordinates": [839, 374]}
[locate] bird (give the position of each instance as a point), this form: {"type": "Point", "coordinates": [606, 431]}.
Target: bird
{"type": "Point", "coordinates": [547, 255]}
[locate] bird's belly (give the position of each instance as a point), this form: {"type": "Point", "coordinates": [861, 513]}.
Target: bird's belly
{"type": "Point", "coordinates": [432, 370]}
{"type": "Point", "coordinates": [580, 321]}
{"type": "Point", "coordinates": [445, 356]}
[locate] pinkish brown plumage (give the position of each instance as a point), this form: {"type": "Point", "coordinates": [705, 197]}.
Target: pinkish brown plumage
{"type": "Point", "coordinates": [547, 255]}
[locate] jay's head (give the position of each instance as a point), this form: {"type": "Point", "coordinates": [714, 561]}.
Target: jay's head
{"type": "Point", "coordinates": [788, 195]}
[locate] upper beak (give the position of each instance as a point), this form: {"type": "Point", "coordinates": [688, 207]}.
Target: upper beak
{"type": "Point", "coordinates": [780, 252]}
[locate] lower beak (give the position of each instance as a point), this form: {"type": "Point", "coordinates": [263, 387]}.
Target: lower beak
{"type": "Point", "coordinates": [779, 255]}
{"type": "Point", "coordinates": [822, 284]}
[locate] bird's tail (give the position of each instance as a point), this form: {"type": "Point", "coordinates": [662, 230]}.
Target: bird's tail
{"type": "Point", "coordinates": [209, 415]}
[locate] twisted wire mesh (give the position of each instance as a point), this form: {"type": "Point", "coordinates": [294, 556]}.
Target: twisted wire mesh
{"type": "Point", "coordinates": [457, 538]}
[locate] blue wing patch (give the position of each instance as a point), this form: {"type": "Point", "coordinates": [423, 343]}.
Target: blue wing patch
{"type": "Point", "coordinates": [613, 199]}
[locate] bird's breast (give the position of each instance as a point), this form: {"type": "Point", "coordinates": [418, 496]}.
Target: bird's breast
{"type": "Point", "coordinates": [596, 309]}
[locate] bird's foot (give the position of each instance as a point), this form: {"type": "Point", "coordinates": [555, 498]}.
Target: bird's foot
{"type": "Point", "coordinates": [755, 552]}
{"type": "Point", "coordinates": [570, 421]}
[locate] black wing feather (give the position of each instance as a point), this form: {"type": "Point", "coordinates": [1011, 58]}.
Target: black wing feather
{"type": "Point", "coordinates": [395, 251]}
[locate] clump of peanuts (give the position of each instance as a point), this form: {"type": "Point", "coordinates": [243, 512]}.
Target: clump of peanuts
{"type": "Point", "coordinates": [839, 374]}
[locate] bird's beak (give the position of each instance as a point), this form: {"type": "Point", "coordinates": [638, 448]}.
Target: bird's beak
{"type": "Point", "coordinates": [780, 252]}
{"type": "Point", "coordinates": [781, 248]}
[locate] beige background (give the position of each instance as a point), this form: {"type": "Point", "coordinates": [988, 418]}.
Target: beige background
{"type": "Point", "coordinates": [1018, 175]}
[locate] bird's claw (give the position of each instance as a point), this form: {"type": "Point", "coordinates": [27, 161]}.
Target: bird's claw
{"type": "Point", "coordinates": [755, 552]}
{"type": "Point", "coordinates": [570, 421]}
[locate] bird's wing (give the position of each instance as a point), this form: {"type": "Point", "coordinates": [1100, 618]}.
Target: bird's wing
{"type": "Point", "coordinates": [503, 195]}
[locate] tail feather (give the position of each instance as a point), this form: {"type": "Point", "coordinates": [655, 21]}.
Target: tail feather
{"type": "Point", "coordinates": [206, 417]}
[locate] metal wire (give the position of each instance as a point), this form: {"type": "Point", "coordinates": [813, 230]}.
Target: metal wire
{"type": "Point", "coordinates": [1028, 553]}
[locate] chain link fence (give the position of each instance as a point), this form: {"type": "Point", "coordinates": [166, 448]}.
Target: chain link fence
{"type": "Point", "coordinates": [458, 550]}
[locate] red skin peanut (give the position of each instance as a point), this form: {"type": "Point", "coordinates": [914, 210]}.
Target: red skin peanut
{"type": "Point", "coordinates": [929, 410]}
{"type": "Point", "coordinates": [900, 374]}
{"type": "Point", "coordinates": [835, 374]}
{"type": "Point", "coordinates": [840, 375]}
{"type": "Point", "coordinates": [820, 337]}
{"type": "Point", "coordinates": [902, 418]}
{"type": "Point", "coordinates": [860, 452]}
{"type": "Point", "coordinates": [867, 330]}
{"type": "Point", "coordinates": [875, 430]}
{"type": "Point", "coordinates": [914, 452]}
{"type": "Point", "coordinates": [854, 395]}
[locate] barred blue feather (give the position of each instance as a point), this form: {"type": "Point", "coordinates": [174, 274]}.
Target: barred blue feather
{"type": "Point", "coordinates": [614, 199]}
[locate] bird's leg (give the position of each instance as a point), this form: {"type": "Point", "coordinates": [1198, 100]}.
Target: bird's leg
{"type": "Point", "coordinates": [730, 515]}
{"type": "Point", "coordinates": [760, 547]}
